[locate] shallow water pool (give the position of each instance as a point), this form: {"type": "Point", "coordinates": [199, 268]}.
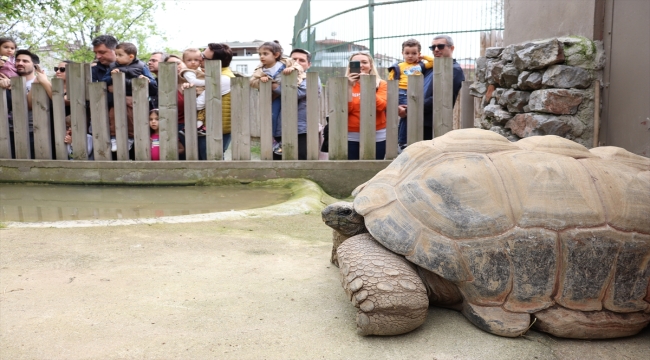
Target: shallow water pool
{"type": "Point", "coordinates": [45, 203]}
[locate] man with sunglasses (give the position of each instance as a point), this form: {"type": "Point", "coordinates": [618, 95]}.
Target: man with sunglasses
{"type": "Point", "coordinates": [441, 46]}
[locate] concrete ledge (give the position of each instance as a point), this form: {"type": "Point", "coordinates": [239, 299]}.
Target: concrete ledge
{"type": "Point", "coordinates": [337, 178]}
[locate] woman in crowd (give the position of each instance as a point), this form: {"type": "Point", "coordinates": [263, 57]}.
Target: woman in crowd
{"type": "Point", "coordinates": [354, 106]}
{"type": "Point", "coordinates": [59, 73]}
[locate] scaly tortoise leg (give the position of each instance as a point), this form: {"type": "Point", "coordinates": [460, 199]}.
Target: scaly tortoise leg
{"type": "Point", "coordinates": [384, 286]}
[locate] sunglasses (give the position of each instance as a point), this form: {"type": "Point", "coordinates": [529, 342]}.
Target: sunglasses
{"type": "Point", "coordinates": [439, 46]}
{"type": "Point", "coordinates": [61, 69]}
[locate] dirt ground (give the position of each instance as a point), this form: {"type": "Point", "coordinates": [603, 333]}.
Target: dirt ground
{"type": "Point", "coordinates": [256, 286]}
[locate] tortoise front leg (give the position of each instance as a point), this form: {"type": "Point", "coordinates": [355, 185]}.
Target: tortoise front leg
{"type": "Point", "coordinates": [337, 240]}
{"type": "Point", "coordinates": [385, 287]}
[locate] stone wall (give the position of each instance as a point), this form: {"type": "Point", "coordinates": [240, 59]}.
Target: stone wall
{"type": "Point", "coordinates": [540, 88]}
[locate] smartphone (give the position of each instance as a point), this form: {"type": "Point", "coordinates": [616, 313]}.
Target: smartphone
{"type": "Point", "coordinates": [355, 67]}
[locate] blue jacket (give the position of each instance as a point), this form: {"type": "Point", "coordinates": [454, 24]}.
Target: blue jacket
{"type": "Point", "coordinates": [458, 79]}
{"type": "Point", "coordinates": [132, 71]}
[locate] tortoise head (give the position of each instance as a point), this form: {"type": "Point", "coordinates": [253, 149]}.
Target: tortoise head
{"type": "Point", "coordinates": [341, 217]}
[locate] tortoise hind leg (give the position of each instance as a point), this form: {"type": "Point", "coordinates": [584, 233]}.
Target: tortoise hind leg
{"type": "Point", "coordinates": [386, 289]}
{"type": "Point", "coordinates": [562, 322]}
{"type": "Point", "coordinates": [495, 320]}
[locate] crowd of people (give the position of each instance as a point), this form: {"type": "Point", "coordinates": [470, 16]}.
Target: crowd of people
{"type": "Point", "coordinates": [112, 57]}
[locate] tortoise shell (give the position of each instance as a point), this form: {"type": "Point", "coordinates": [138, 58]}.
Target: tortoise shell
{"type": "Point", "coordinates": [520, 225]}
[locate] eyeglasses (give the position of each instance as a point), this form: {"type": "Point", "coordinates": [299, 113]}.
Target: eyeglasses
{"type": "Point", "coordinates": [61, 69]}
{"type": "Point", "coordinates": [439, 46]}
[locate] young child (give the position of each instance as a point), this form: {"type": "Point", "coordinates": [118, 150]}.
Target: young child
{"type": "Point", "coordinates": [68, 141]}
{"type": "Point", "coordinates": [155, 137]}
{"type": "Point", "coordinates": [272, 65]}
{"type": "Point", "coordinates": [414, 64]}
{"type": "Point", "coordinates": [7, 59]}
{"type": "Point", "coordinates": [193, 74]}
{"type": "Point", "coordinates": [128, 63]}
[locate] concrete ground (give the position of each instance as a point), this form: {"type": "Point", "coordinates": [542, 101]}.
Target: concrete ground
{"type": "Point", "coordinates": [250, 285]}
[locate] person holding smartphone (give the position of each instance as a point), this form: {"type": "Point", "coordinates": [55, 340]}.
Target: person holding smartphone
{"type": "Point", "coordinates": [362, 64]}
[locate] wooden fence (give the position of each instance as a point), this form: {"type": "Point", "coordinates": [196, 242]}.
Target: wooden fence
{"type": "Point", "coordinates": [250, 109]}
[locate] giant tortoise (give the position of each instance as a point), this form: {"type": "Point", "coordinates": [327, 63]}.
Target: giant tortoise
{"type": "Point", "coordinates": [540, 232]}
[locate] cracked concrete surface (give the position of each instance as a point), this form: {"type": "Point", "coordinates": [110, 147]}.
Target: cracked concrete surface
{"type": "Point", "coordinates": [256, 286]}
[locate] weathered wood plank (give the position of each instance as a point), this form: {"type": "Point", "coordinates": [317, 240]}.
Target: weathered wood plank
{"type": "Point", "coordinates": [443, 117]}
{"type": "Point", "coordinates": [58, 119]}
{"type": "Point", "coordinates": [415, 109]}
{"type": "Point", "coordinates": [141, 129]}
{"type": "Point", "coordinates": [241, 136]}
{"type": "Point", "coordinates": [289, 100]}
{"type": "Point", "coordinates": [77, 96]}
{"type": "Point", "coordinates": [368, 118]}
{"type": "Point", "coordinates": [338, 125]}
{"type": "Point", "coordinates": [466, 106]}
{"type": "Point", "coordinates": [42, 128]}
{"type": "Point", "coordinates": [120, 117]}
{"type": "Point", "coordinates": [213, 111]}
{"type": "Point", "coordinates": [266, 123]}
{"type": "Point", "coordinates": [392, 119]}
{"type": "Point", "coordinates": [254, 112]}
{"type": "Point", "coordinates": [99, 121]}
{"type": "Point", "coordinates": [168, 108]}
{"type": "Point", "coordinates": [89, 78]}
{"type": "Point", "coordinates": [191, 136]}
{"type": "Point", "coordinates": [20, 118]}
{"type": "Point", "coordinates": [313, 116]}
{"type": "Point", "coordinates": [5, 141]}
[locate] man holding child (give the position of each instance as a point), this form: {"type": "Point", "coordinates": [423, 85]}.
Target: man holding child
{"type": "Point", "coordinates": [441, 46]}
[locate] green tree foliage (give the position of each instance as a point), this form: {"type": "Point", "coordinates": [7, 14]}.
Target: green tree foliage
{"type": "Point", "coordinates": [67, 27]}
{"type": "Point", "coordinates": [12, 9]}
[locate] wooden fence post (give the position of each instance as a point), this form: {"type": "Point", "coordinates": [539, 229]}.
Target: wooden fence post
{"type": "Point", "coordinates": [241, 136]}
{"type": "Point", "coordinates": [5, 141]}
{"type": "Point", "coordinates": [368, 118]}
{"type": "Point", "coordinates": [99, 121]}
{"type": "Point", "coordinates": [266, 123]}
{"type": "Point", "coordinates": [415, 106]}
{"type": "Point", "coordinates": [42, 128]}
{"type": "Point", "coordinates": [77, 96]}
{"type": "Point", "coordinates": [58, 119]}
{"type": "Point", "coordinates": [392, 119]}
{"type": "Point", "coordinates": [141, 129]}
{"type": "Point", "coordinates": [168, 109]}
{"type": "Point", "coordinates": [289, 100]}
{"type": "Point", "coordinates": [466, 106]}
{"type": "Point", "coordinates": [22, 149]}
{"type": "Point", "coordinates": [338, 126]}
{"type": "Point", "coordinates": [254, 112]}
{"type": "Point", "coordinates": [443, 117]}
{"type": "Point", "coordinates": [213, 110]}
{"type": "Point", "coordinates": [191, 133]}
{"type": "Point", "coordinates": [119, 115]}
{"type": "Point", "coordinates": [313, 116]}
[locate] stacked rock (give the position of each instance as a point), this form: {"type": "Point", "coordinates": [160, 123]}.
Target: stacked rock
{"type": "Point", "coordinates": [540, 88]}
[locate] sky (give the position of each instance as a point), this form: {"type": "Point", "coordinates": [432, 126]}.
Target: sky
{"type": "Point", "coordinates": [184, 21]}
